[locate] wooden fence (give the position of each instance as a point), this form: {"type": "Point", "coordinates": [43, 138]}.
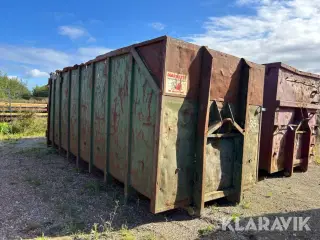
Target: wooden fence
{"type": "Point", "coordinates": [16, 110]}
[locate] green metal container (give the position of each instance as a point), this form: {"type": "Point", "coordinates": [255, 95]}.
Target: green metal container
{"type": "Point", "coordinates": [176, 122]}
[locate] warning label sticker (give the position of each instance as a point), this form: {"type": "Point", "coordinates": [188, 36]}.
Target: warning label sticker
{"type": "Point", "coordinates": [176, 83]}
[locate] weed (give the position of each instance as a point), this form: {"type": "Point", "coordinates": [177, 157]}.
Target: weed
{"type": "Point", "coordinates": [150, 236]}
{"type": "Point", "coordinates": [214, 208]}
{"type": "Point", "coordinates": [108, 224]}
{"type": "Point", "coordinates": [235, 217]}
{"type": "Point", "coordinates": [95, 232]}
{"type": "Point", "coordinates": [41, 238]}
{"type": "Point", "coordinates": [5, 128]}
{"type": "Point", "coordinates": [205, 231]}
{"type": "Point", "coordinates": [126, 234]}
{"type": "Point", "coordinates": [245, 205]}
{"type": "Point", "coordinates": [269, 195]}
{"type": "Point", "coordinates": [190, 211]}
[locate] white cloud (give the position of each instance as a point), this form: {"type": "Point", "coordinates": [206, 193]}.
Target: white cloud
{"type": "Point", "coordinates": [72, 32]}
{"type": "Point", "coordinates": [43, 58]}
{"type": "Point", "coordinates": [36, 73]}
{"type": "Point", "coordinates": [157, 26]}
{"type": "Point", "coordinates": [31, 62]}
{"type": "Point", "coordinates": [91, 40]}
{"type": "Point", "coordinates": [13, 77]}
{"type": "Point", "coordinates": [287, 31]}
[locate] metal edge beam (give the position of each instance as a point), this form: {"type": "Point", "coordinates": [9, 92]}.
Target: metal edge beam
{"type": "Point", "coordinates": [240, 182]}
{"type": "Point", "coordinates": [60, 108]}
{"type": "Point", "coordinates": [93, 80]}
{"type": "Point", "coordinates": [79, 116]}
{"type": "Point", "coordinates": [157, 145]}
{"type": "Point", "coordinates": [202, 129]}
{"type": "Point", "coordinates": [145, 71]}
{"type": "Point", "coordinates": [53, 112]}
{"type": "Point", "coordinates": [49, 110]}
{"type": "Point", "coordinates": [69, 112]}
{"type": "Point", "coordinates": [128, 190]}
{"type": "Point", "coordinates": [107, 177]}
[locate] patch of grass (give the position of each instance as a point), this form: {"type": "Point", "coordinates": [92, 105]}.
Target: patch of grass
{"type": "Point", "coordinates": [27, 125]}
{"type": "Point", "coordinates": [33, 181]}
{"type": "Point", "coordinates": [5, 128]}
{"type": "Point", "coordinates": [205, 231]}
{"type": "Point", "coordinates": [245, 205]}
{"type": "Point", "coordinates": [41, 237]}
{"type": "Point", "coordinates": [10, 140]}
{"type": "Point", "coordinates": [126, 234]}
{"type": "Point", "coordinates": [150, 236]}
{"type": "Point", "coordinates": [235, 217]}
{"type": "Point", "coordinates": [214, 208]}
{"type": "Point", "coordinates": [317, 160]}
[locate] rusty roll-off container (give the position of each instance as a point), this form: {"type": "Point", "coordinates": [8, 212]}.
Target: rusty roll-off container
{"type": "Point", "coordinates": [290, 124]}
{"type": "Point", "coordinates": [177, 122]}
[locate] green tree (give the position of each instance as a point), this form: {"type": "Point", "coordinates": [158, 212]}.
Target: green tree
{"type": "Point", "coordinates": [13, 88]}
{"type": "Point", "coordinates": [40, 91]}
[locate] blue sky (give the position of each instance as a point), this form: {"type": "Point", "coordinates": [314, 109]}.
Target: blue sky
{"type": "Point", "coordinates": [38, 37]}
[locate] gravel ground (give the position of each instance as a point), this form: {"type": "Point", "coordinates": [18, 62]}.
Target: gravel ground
{"type": "Point", "coordinates": [44, 194]}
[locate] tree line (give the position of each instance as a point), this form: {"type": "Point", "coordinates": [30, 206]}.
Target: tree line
{"type": "Point", "coordinates": [15, 88]}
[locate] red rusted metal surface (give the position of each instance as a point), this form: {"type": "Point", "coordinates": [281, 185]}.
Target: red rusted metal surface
{"type": "Point", "coordinates": [177, 122]}
{"type": "Point", "coordinates": [290, 124]}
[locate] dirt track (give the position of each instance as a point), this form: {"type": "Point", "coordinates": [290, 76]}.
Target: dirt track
{"type": "Point", "coordinates": [43, 193]}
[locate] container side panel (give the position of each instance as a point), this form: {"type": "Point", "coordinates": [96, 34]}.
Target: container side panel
{"type": "Point", "coordinates": [226, 71]}
{"type": "Point", "coordinates": [65, 91]}
{"type": "Point", "coordinates": [57, 111]}
{"type": "Point", "coordinates": [251, 146]}
{"type": "Point", "coordinates": [120, 69]}
{"type": "Point", "coordinates": [153, 56]}
{"type": "Point", "coordinates": [100, 132]}
{"type": "Point", "coordinates": [176, 153]}
{"type": "Point", "coordinates": [74, 112]}
{"type": "Point", "coordinates": [296, 88]}
{"type": "Point", "coordinates": [52, 110]}
{"type": "Point", "coordinates": [85, 114]}
{"type": "Point", "coordinates": [143, 132]}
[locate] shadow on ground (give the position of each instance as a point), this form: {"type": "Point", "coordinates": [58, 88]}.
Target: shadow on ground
{"type": "Point", "coordinates": [60, 199]}
{"type": "Point", "coordinates": [43, 193]}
